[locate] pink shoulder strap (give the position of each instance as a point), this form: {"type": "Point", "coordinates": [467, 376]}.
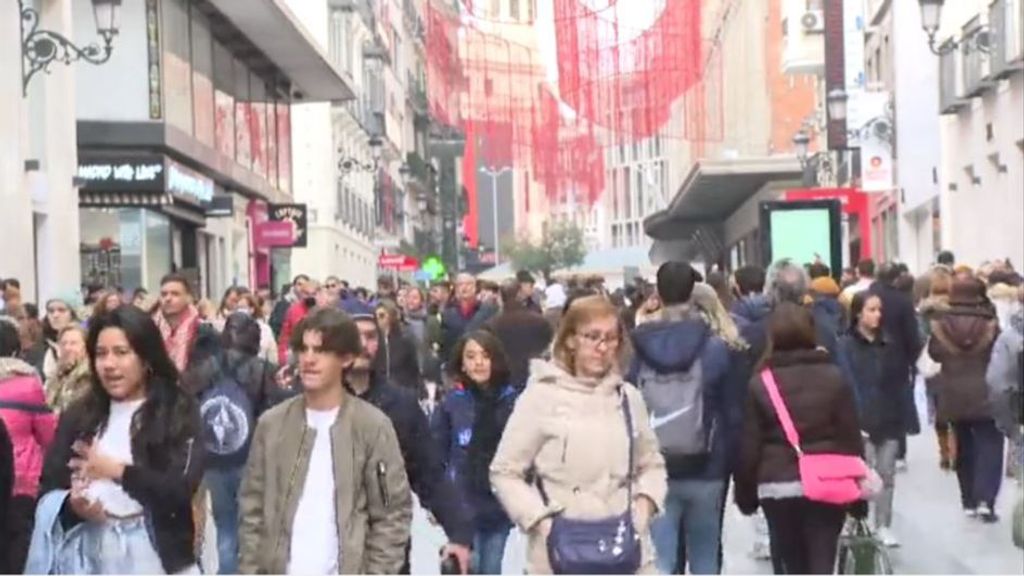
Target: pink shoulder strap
{"type": "Point", "coordinates": [780, 409]}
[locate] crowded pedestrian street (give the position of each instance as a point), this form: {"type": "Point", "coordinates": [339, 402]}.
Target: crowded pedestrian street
{"type": "Point", "coordinates": [512, 287]}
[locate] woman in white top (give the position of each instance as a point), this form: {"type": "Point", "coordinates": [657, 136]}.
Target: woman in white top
{"type": "Point", "coordinates": [127, 457]}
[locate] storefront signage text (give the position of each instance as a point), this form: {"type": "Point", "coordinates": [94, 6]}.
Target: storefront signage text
{"type": "Point", "coordinates": [297, 214]}
{"type": "Point", "coordinates": [126, 172]}
{"type": "Point", "coordinates": [183, 181]}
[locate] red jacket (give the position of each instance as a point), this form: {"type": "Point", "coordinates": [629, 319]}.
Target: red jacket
{"type": "Point", "coordinates": [295, 314]}
{"type": "Point", "coordinates": [30, 423]}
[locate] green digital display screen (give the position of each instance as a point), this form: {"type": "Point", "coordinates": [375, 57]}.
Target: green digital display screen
{"type": "Point", "coordinates": [802, 236]}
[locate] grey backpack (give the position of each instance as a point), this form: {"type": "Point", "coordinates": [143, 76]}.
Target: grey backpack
{"type": "Point", "coordinates": [675, 401]}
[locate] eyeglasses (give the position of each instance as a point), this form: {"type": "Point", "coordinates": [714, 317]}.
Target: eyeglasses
{"type": "Point", "coordinates": [595, 339]}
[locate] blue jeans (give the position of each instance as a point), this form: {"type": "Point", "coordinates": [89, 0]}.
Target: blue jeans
{"type": "Point", "coordinates": [488, 551]}
{"type": "Point", "coordinates": [695, 506]}
{"type": "Point", "coordinates": [223, 486]}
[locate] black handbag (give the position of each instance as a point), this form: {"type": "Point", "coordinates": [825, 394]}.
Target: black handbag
{"type": "Point", "coordinates": [606, 546]}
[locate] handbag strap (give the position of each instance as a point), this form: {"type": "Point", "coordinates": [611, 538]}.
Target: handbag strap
{"type": "Point", "coordinates": [780, 410]}
{"type": "Point", "coordinates": [628, 417]}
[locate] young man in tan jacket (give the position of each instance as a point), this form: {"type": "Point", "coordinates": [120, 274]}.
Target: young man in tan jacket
{"type": "Point", "coordinates": [325, 489]}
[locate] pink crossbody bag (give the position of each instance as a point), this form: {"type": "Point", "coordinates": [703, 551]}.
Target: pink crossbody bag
{"type": "Point", "coordinates": [826, 478]}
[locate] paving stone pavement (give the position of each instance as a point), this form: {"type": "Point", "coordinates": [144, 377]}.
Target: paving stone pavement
{"type": "Point", "coordinates": [936, 537]}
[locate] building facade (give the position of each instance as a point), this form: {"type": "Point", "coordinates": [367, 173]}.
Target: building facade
{"type": "Point", "coordinates": [38, 156]}
{"type": "Point", "coordinates": [186, 140]}
{"type": "Point", "coordinates": [981, 100]}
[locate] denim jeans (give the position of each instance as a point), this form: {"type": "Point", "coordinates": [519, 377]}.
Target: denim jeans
{"type": "Point", "coordinates": [488, 551]}
{"type": "Point", "coordinates": [979, 462]}
{"type": "Point", "coordinates": [882, 457]}
{"type": "Point", "coordinates": [695, 507]}
{"type": "Point", "coordinates": [223, 486]}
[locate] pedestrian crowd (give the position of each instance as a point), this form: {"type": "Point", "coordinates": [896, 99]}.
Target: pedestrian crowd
{"type": "Point", "coordinates": [610, 428]}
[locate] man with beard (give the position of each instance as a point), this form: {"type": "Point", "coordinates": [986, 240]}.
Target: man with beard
{"type": "Point", "coordinates": [422, 463]}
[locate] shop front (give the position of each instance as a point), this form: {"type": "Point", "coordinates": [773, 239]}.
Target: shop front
{"type": "Point", "coordinates": [142, 216]}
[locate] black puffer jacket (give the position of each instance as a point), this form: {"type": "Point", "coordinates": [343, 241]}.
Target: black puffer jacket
{"type": "Point", "coordinates": [823, 411]}
{"type": "Point", "coordinates": [164, 478]}
{"type": "Point", "coordinates": [6, 479]}
{"type": "Point", "coordinates": [398, 361]}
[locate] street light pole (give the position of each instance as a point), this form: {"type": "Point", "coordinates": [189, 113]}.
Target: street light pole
{"type": "Point", "coordinates": [495, 173]}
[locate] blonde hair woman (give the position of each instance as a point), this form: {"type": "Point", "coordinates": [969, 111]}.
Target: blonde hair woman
{"type": "Point", "coordinates": [569, 430]}
{"type": "Point", "coordinates": [717, 317]}
{"type": "Point", "coordinates": [73, 377]}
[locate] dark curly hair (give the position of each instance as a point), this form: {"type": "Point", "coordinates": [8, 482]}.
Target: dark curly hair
{"type": "Point", "coordinates": [167, 413]}
{"type": "Point", "coordinates": [500, 373]}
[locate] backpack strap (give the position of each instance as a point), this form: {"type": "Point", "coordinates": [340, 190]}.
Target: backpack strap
{"type": "Point", "coordinates": [780, 410]}
{"type": "Point", "coordinates": [25, 407]}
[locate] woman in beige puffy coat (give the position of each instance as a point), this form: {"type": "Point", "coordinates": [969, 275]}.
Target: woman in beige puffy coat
{"type": "Point", "coordinates": [568, 429]}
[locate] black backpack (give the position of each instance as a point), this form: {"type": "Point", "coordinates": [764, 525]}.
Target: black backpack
{"type": "Point", "coordinates": [228, 417]}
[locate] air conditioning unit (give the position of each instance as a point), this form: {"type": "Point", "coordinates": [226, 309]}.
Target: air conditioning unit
{"type": "Point", "coordinates": [813, 21]}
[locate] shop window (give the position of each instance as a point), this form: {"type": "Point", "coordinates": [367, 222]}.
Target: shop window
{"type": "Point", "coordinates": [224, 100]}
{"type": "Point", "coordinates": [243, 111]}
{"type": "Point", "coordinates": [258, 125]}
{"type": "Point", "coordinates": [284, 148]}
{"type": "Point", "coordinates": [202, 79]}
{"type": "Point", "coordinates": [177, 66]}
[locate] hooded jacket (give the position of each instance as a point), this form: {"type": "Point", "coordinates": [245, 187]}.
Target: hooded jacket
{"type": "Point", "coordinates": [570, 433]}
{"type": "Point", "coordinates": [1005, 378]}
{"type": "Point", "coordinates": [962, 341]}
{"type": "Point", "coordinates": [751, 314]}
{"type": "Point", "coordinates": [30, 423]}
{"type": "Point", "coordinates": [525, 336]}
{"type": "Point", "coordinates": [452, 424]}
{"type": "Point", "coordinates": [674, 342]}
{"type": "Point", "coordinates": [423, 465]}
{"type": "Point", "coordinates": [828, 320]}
{"type": "Point", "coordinates": [398, 360]}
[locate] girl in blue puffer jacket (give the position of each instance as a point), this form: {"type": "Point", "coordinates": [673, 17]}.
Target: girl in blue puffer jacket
{"type": "Point", "coordinates": [467, 427]}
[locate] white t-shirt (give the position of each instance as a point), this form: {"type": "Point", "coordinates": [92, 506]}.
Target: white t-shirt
{"type": "Point", "coordinates": [116, 442]}
{"type": "Point", "coordinates": [315, 547]}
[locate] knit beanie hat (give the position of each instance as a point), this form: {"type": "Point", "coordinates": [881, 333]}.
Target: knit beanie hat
{"type": "Point", "coordinates": [825, 285]}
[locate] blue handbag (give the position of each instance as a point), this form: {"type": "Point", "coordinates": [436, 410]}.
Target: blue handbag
{"type": "Point", "coordinates": [606, 546]}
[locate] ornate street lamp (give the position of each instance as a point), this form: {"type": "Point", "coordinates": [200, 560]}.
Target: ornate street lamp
{"type": "Point", "coordinates": [40, 48]}
{"type": "Point", "coordinates": [349, 164]}
{"type": "Point", "coordinates": [931, 20]}
{"type": "Point", "coordinates": [800, 143]}
{"type": "Point", "coordinates": [837, 102]}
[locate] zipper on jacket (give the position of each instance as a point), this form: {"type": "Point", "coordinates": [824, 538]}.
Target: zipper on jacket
{"type": "Point", "coordinates": [382, 473]}
{"type": "Point", "coordinates": [288, 490]}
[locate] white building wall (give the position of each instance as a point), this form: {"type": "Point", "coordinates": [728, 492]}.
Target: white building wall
{"type": "Point", "coordinates": [119, 90]}
{"type": "Point", "coordinates": [985, 220]}
{"type": "Point", "coordinates": [917, 134]}
{"type": "Point", "coordinates": [38, 209]}
{"type": "Point", "coordinates": [331, 249]}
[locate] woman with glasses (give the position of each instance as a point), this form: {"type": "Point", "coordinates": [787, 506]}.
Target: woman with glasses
{"type": "Point", "coordinates": [568, 433]}
{"type": "Point", "coordinates": [60, 313]}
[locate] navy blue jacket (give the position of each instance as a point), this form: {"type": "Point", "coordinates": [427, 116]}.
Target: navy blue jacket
{"type": "Point", "coordinates": [828, 321]}
{"type": "Point", "coordinates": [452, 427]}
{"type": "Point", "coordinates": [674, 346]}
{"type": "Point", "coordinates": [879, 401]}
{"type": "Point", "coordinates": [422, 463]}
{"type": "Point", "coordinates": [454, 324]}
{"type": "Point", "coordinates": [751, 314]}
